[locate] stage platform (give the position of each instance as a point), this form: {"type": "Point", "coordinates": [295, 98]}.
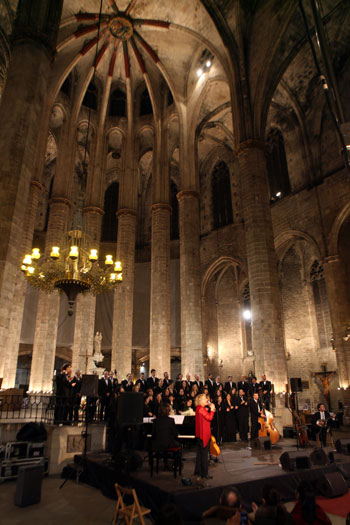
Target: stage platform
{"type": "Point", "coordinates": [246, 469]}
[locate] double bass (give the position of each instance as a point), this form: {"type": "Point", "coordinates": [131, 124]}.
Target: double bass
{"type": "Point", "coordinates": [267, 427]}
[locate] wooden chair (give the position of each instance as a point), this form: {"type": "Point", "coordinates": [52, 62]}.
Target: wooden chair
{"type": "Point", "coordinates": [129, 512]}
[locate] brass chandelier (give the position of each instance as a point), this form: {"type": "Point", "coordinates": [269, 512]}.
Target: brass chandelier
{"type": "Point", "coordinates": [73, 267]}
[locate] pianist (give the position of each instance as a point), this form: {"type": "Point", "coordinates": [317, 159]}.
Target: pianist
{"type": "Point", "coordinates": [164, 431]}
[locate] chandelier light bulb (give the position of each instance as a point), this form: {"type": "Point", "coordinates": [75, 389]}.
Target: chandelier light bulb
{"type": "Point", "coordinates": [74, 252]}
{"type": "Point", "coordinates": [23, 268]}
{"type": "Point", "coordinates": [118, 266]}
{"type": "Point", "coordinates": [119, 276]}
{"type": "Point", "coordinates": [35, 254]}
{"type": "Point", "coordinates": [93, 255]}
{"type": "Point", "coordinates": [109, 259]}
{"type": "Point", "coordinates": [113, 277]}
{"type": "Point", "coordinates": [55, 252]}
{"type": "Point", "coordinates": [27, 260]}
{"type": "Point", "coordinates": [30, 270]}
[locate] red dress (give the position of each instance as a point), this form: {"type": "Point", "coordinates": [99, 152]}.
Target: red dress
{"type": "Point", "coordinates": [203, 419]}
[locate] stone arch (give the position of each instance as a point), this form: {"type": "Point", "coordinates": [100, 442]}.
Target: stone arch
{"type": "Point", "coordinates": [335, 230]}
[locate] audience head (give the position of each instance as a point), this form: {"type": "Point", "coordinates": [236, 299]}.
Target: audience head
{"type": "Point", "coordinates": [217, 379]}
{"type": "Point", "coordinates": [159, 397]}
{"type": "Point", "coordinates": [164, 410]}
{"type": "Point", "coordinates": [270, 495]}
{"type": "Point", "coordinates": [306, 496]}
{"type": "Point", "coordinates": [136, 388]}
{"type": "Point", "coordinates": [105, 374]}
{"type": "Point", "coordinates": [210, 376]}
{"type": "Point", "coordinates": [78, 373]}
{"type": "Point", "coordinates": [253, 379]}
{"type": "Point", "coordinates": [230, 498]}
{"type": "Point", "coordinates": [219, 399]}
{"type": "Point", "coordinates": [243, 378]}
{"type": "Point", "coordinates": [233, 391]}
{"type": "Point", "coordinates": [181, 392]}
{"type": "Point", "coordinates": [196, 376]}
{"type": "Point", "coordinates": [188, 377]}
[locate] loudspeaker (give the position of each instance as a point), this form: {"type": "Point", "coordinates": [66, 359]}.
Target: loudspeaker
{"type": "Point", "coordinates": [332, 485]}
{"type": "Point", "coordinates": [295, 384]}
{"type": "Point", "coordinates": [262, 443]}
{"type": "Point", "coordinates": [89, 385]}
{"type": "Point", "coordinates": [28, 486]}
{"type": "Point", "coordinates": [343, 446]}
{"type": "Point", "coordinates": [295, 461]}
{"type": "Point", "coordinates": [319, 457]}
{"type": "Point", "coordinates": [130, 408]}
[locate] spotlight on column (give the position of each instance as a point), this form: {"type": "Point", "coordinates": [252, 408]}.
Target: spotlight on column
{"type": "Point", "coordinates": [247, 315]}
{"type": "Point", "coordinates": [279, 194]}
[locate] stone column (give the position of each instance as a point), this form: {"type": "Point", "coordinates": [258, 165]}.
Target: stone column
{"type": "Point", "coordinates": [21, 115]}
{"type": "Point", "coordinates": [190, 284]}
{"type": "Point", "coordinates": [85, 309]}
{"type": "Point", "coordinates": [45, 335]}
{"type": "Point", "coordinates": [121, 358]}
{"type": "Point", "coordinates": [160, 289]}
{"type": "Point", "coordinates": [14, 331]}
{"type": "Point", "coordinates": [339, 308]}
{"type": "Point", "coordinates": [267, 329]}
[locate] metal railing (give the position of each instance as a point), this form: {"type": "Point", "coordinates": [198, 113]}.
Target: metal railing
{"type": "Point", "coordinates": [48, 408]}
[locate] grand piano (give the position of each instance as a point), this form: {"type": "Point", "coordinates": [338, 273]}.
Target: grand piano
{"type": "Point", "coordinates": [184, 424]}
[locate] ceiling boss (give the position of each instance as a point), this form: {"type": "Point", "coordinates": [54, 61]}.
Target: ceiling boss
{"type": "Point", "coordinates": [121, 28]}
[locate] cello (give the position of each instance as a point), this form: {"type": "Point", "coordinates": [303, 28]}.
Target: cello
{"type": "Point", "coordinates": [267, 427]}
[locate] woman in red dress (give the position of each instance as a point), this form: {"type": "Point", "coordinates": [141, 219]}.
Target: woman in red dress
{"type": "Point", "coordinates": [203, 433]}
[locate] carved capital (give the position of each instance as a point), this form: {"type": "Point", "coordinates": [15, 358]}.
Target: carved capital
{"type": "Point", "coordinates": [37, 184]}
{"type": "Point", "coordinates": [161, 206]}
{"type": "Point", "coordinates": [331, 259]}
{"type": "Point", "coordinates": [186, 194]}
{"type": "Point", "coordinates": [126, 211]}
{"type": "Point", "coordinates": [250, 144]}
{"type": "Point", "coordinates": [60, 200]}
{"type": "Point", "coordinates": [93, 209]}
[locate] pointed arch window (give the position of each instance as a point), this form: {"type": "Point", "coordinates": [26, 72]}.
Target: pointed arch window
{"type": "Point", "coordinates": [117, 107]}
{"type": "Point", "coordinates": [174, 225]}
{"type": "Point", "coordinates": [277, 166]}
{"type": "Point", "coordinates": [67, 85]}
{"type": "Point", "coordinates": [221, 194]}
{"type": "Point", "coordinates": [319, 293]}
{"type": "Point", "coordinates": [145, 104]}
{"type": "Point", "coordinates": [109, 222]}
{"type": "Point", "coordinates": [90, 98]}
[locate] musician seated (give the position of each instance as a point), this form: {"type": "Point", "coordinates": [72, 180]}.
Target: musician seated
{"type": "Point", "coordinates": [321, 423]}
{"type": "Point", "coordinates": [164, 431]}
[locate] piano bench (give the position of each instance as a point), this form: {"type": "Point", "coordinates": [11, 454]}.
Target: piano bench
{"type": "Point", "coordinates": [175, 454]}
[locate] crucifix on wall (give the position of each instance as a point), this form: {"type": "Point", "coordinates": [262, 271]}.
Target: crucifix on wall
{"type": "Point", "coordinates": [324, 377]}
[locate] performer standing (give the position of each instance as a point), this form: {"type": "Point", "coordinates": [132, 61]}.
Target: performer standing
{"type": "Point", "coordinates": [203, 419]}
{"type": "Point", "coordinates": [321, 421]}
{"type": "Point", "coordinates": [266, 391]}
{"type": "Point", "coordinates": [255, 413]}
{"type": "Point", "coordinates": [243, 415]}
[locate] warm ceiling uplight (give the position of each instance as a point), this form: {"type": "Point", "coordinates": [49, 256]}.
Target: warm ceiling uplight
{"type": "Point", "coordinates": [199, 72]}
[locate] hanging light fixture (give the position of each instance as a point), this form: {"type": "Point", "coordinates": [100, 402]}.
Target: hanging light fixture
{"type": "Point", "coordinates": [73, 267]}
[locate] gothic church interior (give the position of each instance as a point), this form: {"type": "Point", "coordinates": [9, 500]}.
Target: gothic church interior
{"type": "Point", "coordinates": [205, 144]}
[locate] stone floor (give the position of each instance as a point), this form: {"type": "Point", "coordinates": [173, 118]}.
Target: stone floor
{"type": "Point", "coordinates": [74, 503]}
